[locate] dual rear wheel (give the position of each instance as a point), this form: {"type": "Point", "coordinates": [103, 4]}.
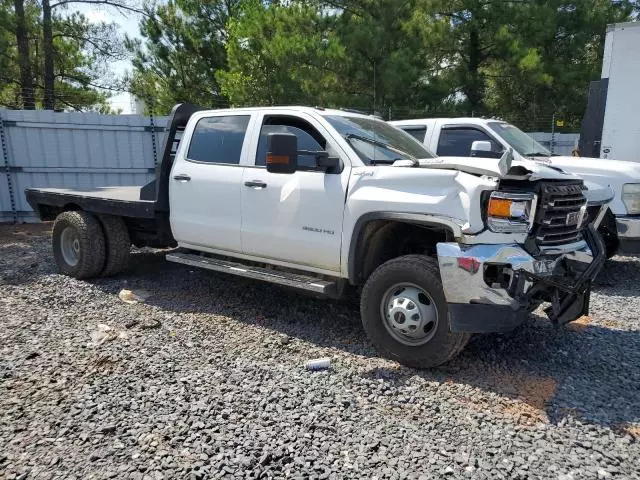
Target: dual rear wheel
{"type": "Point", "coordinates": [86, 245]}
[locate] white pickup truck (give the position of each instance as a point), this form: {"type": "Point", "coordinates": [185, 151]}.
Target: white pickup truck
{"type": "Point", "coordinates": [486, 138]}
{"type": "Point", "coordinates": [333, 203]}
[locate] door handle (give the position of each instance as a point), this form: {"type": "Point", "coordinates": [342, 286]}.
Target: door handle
{"type": "Point", "coordinates": [181, 177]}
{"type": "Point", "coordinates": [255, 184]}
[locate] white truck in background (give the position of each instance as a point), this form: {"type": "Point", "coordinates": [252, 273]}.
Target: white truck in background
{"type": "Point", "coordinates": [335, 203]}
{"type": "Point", "coordinates": [611, 124]}
{"type": "Point", "coordinates": [481, 139]}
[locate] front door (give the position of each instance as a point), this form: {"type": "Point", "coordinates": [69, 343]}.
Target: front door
{"type": "Point", "coordinates": [295, 218]}
{"type": "Point", "coordinates": [205, 184]}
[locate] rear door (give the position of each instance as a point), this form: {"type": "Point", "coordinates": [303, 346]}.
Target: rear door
{"type": "Point", "coordinates": [294, 218]}
{"type": "Point", "coordinates": [205, 182]}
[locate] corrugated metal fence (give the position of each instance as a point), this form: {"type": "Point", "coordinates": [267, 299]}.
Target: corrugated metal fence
{"type": "Point", "coordinates": [87, 150]}
{"type": "Point", "coordinates": [72, 150]}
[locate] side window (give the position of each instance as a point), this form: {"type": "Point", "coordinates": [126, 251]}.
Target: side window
{"type": "Point", "coordinates": [417, 132]}
{"type": "Point", "coordinates": [456, 142]}
{"type": "Point", "coordinates": [218, 139]}
{"type": "Point", "coordinates": [308, 139]}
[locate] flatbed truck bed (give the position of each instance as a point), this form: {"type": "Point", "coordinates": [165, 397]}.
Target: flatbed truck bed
{"type": "Point", "coordinates": [123, 201]}
{"type": "Point", "coordinates": [144, 209]}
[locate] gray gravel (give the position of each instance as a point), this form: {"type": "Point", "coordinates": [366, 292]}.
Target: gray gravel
{"type": "Point", "coordinates": [208, 380]}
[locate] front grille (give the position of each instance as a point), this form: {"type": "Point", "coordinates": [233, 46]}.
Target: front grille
{"type": "Point", "coordinates": [559, 214]}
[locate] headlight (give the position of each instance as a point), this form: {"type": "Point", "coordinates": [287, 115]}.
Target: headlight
{"type": "Point", "coordinates": [631, 197]}
{"type": "Point", "coordinates": [510, 212]}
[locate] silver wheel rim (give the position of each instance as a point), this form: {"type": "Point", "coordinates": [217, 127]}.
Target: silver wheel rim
{"type": "Point", "coordinates": [409, 314]}
{"type": "Point", "coordinates": [70, 246]}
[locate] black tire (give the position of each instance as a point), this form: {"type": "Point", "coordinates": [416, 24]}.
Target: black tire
{"type": "Point", "coordinates": [90, 254]}
{"type": "Point", "coordinates": [611, 242]}
{"type": "Point", "coordinates": [118, 244]}
{"type": "Point", "coordinates": [609, 234]}
{"type": "Point", "coordinates": [423, 272]}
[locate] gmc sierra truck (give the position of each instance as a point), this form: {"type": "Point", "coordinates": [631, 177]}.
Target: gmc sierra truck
{"type": "Point", "coordinates": [482, 138]}
{"type": "Point", "coordinates": [338, 203]}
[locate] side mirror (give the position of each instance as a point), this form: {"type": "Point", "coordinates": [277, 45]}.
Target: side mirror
{"type": "Point", "coordinates": [282, 153]}
{"type": "Point", "coordinates": [482, 148]}
{"type": "Point", "coordinates": [327, 163]}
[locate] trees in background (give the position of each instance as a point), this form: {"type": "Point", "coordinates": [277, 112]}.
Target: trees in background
{"type": "Point", "coordinates": [55, 58]}
{"type": "Point", "coordinates": [183, 50]}
{"type": "Point", "coordinates": [399, 58]}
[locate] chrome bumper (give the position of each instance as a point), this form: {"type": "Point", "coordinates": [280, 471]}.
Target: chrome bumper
{"type": "Point", "coordinates": [508, 278]}
{"type": "Point", "coordinates": [628, 228]}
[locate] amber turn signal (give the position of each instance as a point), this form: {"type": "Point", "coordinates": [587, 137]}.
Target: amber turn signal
{"type": "Point", "coordinates": [499, 207]}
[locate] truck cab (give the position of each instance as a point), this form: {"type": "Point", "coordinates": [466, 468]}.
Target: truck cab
{"type": "Point", "coordinates": [482, 139]}
{"type": "Point", "coordinates": [342, 204]}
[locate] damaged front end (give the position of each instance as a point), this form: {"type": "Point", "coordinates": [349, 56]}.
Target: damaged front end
{"type": "Point", "coordinates": [493, 287]}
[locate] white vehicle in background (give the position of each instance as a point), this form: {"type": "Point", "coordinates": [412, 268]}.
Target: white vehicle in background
{"type": "Point", "coordinates": [611, 124]}
{"type": "Point", "coordinates": [484, 139]}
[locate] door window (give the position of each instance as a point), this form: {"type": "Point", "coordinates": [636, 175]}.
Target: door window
{"type": "Point", "coordinates": [218, 139]}
{"type": "Point", "coordinates": [308, 139]}
{"type": "Point", "coordinates": [456, 142]}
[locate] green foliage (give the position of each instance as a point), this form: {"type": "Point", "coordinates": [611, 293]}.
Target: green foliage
{"type": "Point", "coordinates": [184, 48]}
{"type": "Point", "coordinates": [517, 59]}
{"type": "Point", "coordinates": [82, 51]}
{"type": "Point", "coordinates": [282, 55]}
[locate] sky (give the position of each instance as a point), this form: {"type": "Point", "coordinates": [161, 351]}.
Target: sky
{"type": "Point", "coordinates": [128, 23]}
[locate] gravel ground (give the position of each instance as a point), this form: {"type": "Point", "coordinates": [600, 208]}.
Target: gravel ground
{"type": "Point", "coordinates": [205, 378]}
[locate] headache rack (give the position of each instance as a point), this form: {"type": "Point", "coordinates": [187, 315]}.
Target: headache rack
{"type": "Point", "coordinates": [560, 213]}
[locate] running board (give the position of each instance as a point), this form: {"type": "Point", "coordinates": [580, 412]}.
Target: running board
{"type": "Point", "coordinates": [311, 284]}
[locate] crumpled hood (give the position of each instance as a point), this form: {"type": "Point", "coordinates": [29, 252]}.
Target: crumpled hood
{"type": "Point", "coordinates": [491, 167]}
{"type": "Point", "coordinates": [597, 193]}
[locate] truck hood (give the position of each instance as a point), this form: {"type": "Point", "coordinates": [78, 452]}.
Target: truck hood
{"type": "Point", "coordinates": [597, 168]}
{"type": "Point", "coordinates": [600, 173]}
{"type": "Point", "coordinates": [597, 193]}
{"type": "Point", "coordinates": [530, 168]}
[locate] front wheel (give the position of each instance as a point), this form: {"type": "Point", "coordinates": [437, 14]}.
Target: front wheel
{"type": "Point", "coordinates": [405, 314]}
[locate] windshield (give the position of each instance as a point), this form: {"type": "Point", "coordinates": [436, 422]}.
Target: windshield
{"type": "Point", "coordinates": [377, 142]}
{"type": "Point", "coordinates": [520, 141]}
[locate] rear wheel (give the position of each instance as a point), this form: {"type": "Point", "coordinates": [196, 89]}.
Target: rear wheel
{"type": "Point", "coordinates": [118, 245]}
{"type": "Point", "coordinates": [78, 244]}
{"type": "Point", "coordinates": [405, 314]}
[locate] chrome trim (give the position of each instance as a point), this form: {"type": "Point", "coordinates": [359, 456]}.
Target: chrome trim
{"type": "Point", "coordinates": [603, 211]}
{"type": "Point", "coordinates": [512, 196]}
{"type": "Point", "coordinates": [628, 227]}
{"type": "Point", "coordinates": [560, 249]}
{"type": "Point", "coordinates": [509, 225]}
{"type": "Point", "coordinates": [467, 285]}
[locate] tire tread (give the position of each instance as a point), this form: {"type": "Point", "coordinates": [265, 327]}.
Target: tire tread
{"type": "Point", "coordinates": [91, 240]}
{"type": "Point", "coordinates": [118, 244]}
{"type": "Point", "coordinates": [448, 350]}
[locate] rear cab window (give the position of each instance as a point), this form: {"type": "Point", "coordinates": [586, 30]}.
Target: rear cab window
{"type": "Point", "coordinates": [218, 140]}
